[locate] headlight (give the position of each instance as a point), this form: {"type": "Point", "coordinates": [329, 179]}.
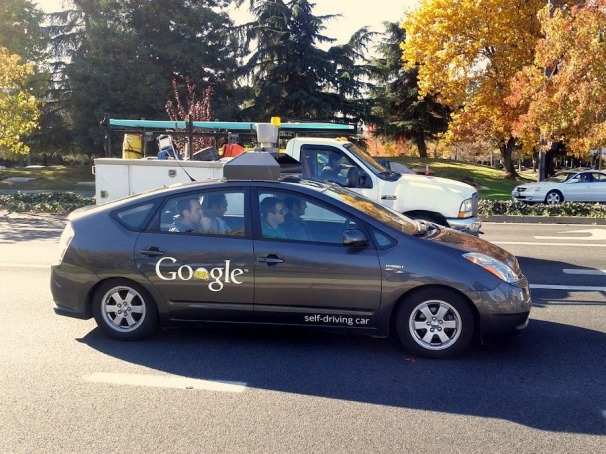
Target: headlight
{"type": "Point", "coordinates": [537, 189]}
{"type": "Point", "coordinates": [499, 269]}
{"type": "Point", "coordinates": [466, 209]}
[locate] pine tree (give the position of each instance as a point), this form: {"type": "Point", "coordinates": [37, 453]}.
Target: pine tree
{"type": "Point", "coordinates": [398, 111]}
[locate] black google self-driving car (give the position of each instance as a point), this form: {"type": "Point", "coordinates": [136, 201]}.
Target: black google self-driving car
{"type": "Point", "coordinates": [283, 251]}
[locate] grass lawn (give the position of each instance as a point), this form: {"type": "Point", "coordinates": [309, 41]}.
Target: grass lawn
{"type": "Point", "coordinates": [490, 182]}
{"type": "Point", "coordinates": [50, 178]}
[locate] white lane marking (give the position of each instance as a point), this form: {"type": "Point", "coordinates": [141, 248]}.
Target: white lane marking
{"type": "Point", "coordinates": [530, 243]}
{"type": "Point", "coordinates": [582, 271]}
{"type": "Point", "coordinates": [173, 382]}
{"type": "Point", "coordinates": [572, 288]}
{"type": "Point", "coordinates": [23, 265]}
{"type": "Point", "coordinates": [594, 234]}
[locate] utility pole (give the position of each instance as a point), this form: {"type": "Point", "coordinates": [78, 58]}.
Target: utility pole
{"type": "Point", "coordinates": [542, 140]}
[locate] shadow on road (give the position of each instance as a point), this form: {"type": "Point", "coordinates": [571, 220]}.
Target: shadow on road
{"type": "Point", "coordinates": [551, 377]}
{"type": "Point", "coordinates": [17, 227]}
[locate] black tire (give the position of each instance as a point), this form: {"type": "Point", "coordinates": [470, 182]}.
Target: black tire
{"type": "Point", "coordinates": [435, 323]}
{"type": "Point", "coordinates": [554, 197]}
{"type": "Point", "coordinates": [124, 310]}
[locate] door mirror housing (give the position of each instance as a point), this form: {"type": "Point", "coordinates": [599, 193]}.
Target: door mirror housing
{"type": "Point", "coordinates": [357, 178]}
{"type": "Point", "coordinates": [354, 237]}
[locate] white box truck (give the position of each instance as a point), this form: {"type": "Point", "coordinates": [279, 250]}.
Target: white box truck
{"type": "Point", "coordinates": [440, 200]}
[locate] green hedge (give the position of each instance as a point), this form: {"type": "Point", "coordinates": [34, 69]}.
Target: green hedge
{"type": "Point", "coordinates": [514, 208]}
{"type": "Point", "coordinates": [44, 202]}
{"type": "Point", "coordinates": [64, 202]}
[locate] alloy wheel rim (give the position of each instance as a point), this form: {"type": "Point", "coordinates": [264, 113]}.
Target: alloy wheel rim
{"type": "Point", "coordinates": [123, 309]}
{"type": "Point", "coordinates": [435, 325]}
{"type": "Point", "coordinates": [553, 199]}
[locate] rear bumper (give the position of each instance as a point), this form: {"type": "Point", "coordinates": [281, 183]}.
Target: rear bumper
{"type": "Point", "coordinates": [466, 225]}
{"type": "Point", "coordinates": [71, 287]}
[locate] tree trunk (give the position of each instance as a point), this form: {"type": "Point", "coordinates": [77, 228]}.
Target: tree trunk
{"type": "Point", "coordinates": [506, 151]}
{"type": "Point", "coordinates": [421, 145]}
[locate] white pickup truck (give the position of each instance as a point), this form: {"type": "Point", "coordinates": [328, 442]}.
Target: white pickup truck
{"type": "Point", "coordinates": [440, 200]}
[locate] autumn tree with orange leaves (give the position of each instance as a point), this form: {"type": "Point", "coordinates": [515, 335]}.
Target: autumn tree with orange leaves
{"type": "Point", "coordinates": [566, 83]}
{"type": "Point", "coordinates": [468, 52]}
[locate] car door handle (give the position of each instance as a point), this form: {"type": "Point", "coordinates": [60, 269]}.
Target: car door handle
{"type": "Point", "coordinates": [270, 259]}
{"type": "Point", "coordinates": [152, 252]}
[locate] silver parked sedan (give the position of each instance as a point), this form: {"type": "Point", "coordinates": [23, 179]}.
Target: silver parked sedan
{"type": "Point", "coordinates": [284, 252]}
{"type": "Point", "coordinates": [570, 186]}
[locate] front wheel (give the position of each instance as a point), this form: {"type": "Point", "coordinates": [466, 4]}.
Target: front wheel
{"type": "Point", "coordinates": [554, 197]}
{"type": "Point", "coordinates": [435, 323]}
{"type": "Point", "coordinates": [124, 310]}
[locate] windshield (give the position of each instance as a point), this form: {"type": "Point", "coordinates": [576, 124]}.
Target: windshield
{"type": "Point", "coordinates": [373, 165]}
{"type": "Point", "coordinates": [382, 213]}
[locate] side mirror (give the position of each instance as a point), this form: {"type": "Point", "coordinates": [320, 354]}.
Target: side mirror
{"type": "Point", "coordinates": [354, 237]}
{"type": "Point", "coordinates": [357, 178]}
{"type": "Point", "coordinates": [365, 181]}
{"type": "Point", "coordinates": [353, 177]}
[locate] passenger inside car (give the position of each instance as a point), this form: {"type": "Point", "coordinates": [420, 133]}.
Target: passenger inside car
{"type": "Point", "coordinates": [294, 226]}
{"type": "Point", "coordinates": [273, 213]}
{"type": "Point", "coordinates": [189, 216]}
{"type": "Point", "coordinates": [332, 171]}
{"type": "Point", "coordinates": [214, 207]}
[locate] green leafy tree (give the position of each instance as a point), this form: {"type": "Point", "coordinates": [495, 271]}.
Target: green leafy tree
{"type": "Point", "coordinates": [125, 54]}
{"type": "Point", "coordinates": [21, 32]}
{"type": "Point", "coordinates": [19, 109]}
{"type": "Point", "coordinates": [399, 113]}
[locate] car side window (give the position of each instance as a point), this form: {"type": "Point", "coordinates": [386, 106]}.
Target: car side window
{"type": "Point", "coordinates": [212, 212]}
{"type": "Point", "coordinates": [134, 218]}
{"type": "Point", "coordinates": [575, 179]}
{"type": "Point", "coordinates": [323, 163]}
{"type": "Point", "coordinates": [291, 216]}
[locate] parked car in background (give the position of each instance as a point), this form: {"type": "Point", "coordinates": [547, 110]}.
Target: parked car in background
{"type": "Point", "coordinates": [569, 186]}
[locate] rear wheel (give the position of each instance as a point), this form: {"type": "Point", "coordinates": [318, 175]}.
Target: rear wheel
{"type": "Point", "coordinates": [124, 310]}
{"type": "Point", "coordinates": [435, 323]}
{"type": "Point", "coordinates": [554, 197]}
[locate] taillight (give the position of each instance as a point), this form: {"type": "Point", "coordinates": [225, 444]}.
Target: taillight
{"type": "Point", "coordinates": [66, 238]}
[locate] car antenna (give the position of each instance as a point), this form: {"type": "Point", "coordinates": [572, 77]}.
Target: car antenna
{"type": "Point", "coordinates": [175, 155]}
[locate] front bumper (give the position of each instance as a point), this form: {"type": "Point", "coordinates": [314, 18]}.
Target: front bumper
{"type": "Point", "coordinates": [528, 196]}
{"type": "Point", "coordinates": [466, 225]}
{"type": "Point", "coordinates": [505, 309]}
{"type": "Point", "coordinates": [495, 325]}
